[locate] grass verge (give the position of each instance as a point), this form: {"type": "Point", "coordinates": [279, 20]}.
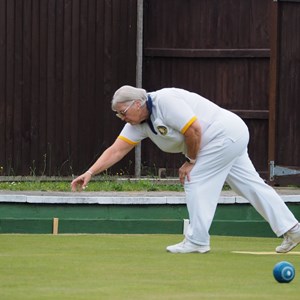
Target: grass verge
{"type": "Point", "coordinates": [101, 185]}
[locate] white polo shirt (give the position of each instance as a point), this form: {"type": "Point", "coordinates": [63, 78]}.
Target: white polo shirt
{"type": "Point", "coordinates": [173, 111]}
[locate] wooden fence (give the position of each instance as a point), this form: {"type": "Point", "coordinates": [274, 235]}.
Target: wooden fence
{"type": "Point", "coordinates": [218, 49]}
{"type": "Point", "coordinates": [61, 61]}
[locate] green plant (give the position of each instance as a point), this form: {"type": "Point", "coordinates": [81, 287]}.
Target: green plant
{"type": "Point", "coordinates": [106, 184]}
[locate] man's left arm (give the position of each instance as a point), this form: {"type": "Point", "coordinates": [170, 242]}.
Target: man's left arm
{"type": "Point", "coordinates": [192, 138]}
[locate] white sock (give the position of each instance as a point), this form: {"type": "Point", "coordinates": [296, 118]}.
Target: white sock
{"type": "Point", "coordinates": [295, 228]}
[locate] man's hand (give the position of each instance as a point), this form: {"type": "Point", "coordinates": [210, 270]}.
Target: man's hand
{"type": "Point", "coordinates": [185, 171]}
{"type": "Point", "coordinates": [80, 183]}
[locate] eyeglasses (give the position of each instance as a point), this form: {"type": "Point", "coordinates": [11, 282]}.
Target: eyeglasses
{"type": "Point", "coordinates": [122, 114]}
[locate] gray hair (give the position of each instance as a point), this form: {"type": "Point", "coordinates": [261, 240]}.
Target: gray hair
{"type": "Point", "coordinates": [128, 93]}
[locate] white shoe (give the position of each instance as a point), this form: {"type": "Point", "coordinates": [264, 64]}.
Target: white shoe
{"type": "Point", "coordinates": [187, 247]}
{"type": "Point", "coordinates": [290, 240]}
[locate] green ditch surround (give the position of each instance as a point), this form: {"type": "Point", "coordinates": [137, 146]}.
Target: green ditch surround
{"type": "Point", "coordinates": [230, 219]}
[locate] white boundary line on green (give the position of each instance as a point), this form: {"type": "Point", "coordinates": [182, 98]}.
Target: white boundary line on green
{"type": "Point", "coordinates": [265, 253]}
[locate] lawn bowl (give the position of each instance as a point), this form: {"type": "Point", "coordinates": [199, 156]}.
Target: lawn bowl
{"type": "Point", "coordinates": [284, 272]}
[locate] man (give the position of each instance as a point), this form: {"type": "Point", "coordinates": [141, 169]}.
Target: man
{"type": "Point", "coordinates": [214, 142]}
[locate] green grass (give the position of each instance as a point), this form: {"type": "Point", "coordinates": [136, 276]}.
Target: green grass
{"type": "Point", "coordinates": [96, 184]}
{"type": "Point", "coordinates": [101, 185]}
{"type": "Point", "coordinates": [138, 267]}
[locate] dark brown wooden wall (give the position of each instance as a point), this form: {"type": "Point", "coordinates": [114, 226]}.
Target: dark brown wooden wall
{"type": "Point", "coordinates": [60, 62]}
{"type": "Point", "coordinates": [288, 102]}
{"type": "Point", "coordinates": [284, 137]}
{"type": "Point", "coordinates": [219, 49]}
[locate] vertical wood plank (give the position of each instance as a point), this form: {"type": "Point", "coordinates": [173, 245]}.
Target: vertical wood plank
{"type": "Point", "coordinates": [108, 64]}
{"type": "Point", "coordinates": [67, 82]}
{"type": "Point", "coordinates": [83, 111]}
{"type": "Point", "coordinates": [3, 59]}
{"type": "Point", "coordinates": [52, 104]}
{"type": "Point", "coordinates": [100, 73]}
{"type": "Point", "coordinates": [35, 131]}
{"type": "Point", "coordinates": [75, 82]}
{"type": "Point", "coordinates": [27, 92]}
{"type": "Point", "coordinates": [10, 86]}
{"type": "Point", "coordinates": [273, 81]}
{"type": "Point", "coordinates": [43, 85]}
{"type": "Point", "coordinates": [18, 86]}
{"type": "Point", "coordinates": [60, 139]}
{"type": "Point", "coordinates": [91, 76]}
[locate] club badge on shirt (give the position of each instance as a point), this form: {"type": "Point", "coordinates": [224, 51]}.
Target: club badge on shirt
{"type": "Point", "coordinates": [163, 130]}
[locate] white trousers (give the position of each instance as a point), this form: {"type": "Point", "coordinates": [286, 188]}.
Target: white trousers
{"type": "Point", "coordinates": [226, 160]}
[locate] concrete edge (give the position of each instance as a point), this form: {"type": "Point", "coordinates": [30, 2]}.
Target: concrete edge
{"type": "Point", "coordinates": [121, 200]}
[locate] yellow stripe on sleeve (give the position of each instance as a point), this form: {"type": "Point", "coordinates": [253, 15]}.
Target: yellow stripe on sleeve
{"type": "Point", "coordinates": [127, 140]}
{"type": "Point", "coordinates": [188, 124]}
